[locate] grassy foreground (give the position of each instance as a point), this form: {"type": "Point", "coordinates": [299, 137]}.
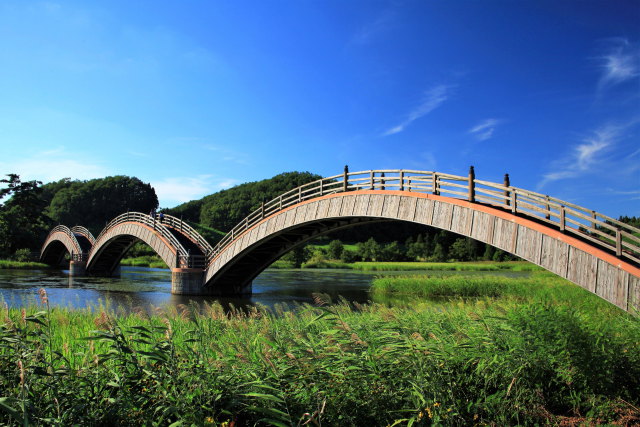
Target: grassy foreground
{"type": "Point", "coordinates": [480, 362]}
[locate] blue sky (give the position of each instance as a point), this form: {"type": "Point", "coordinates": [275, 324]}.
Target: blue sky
{"type": "Point", "coordinates": [196, 96]}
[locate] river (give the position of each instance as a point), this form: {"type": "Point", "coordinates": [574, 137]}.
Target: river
{"type": "Point", "coordinates": [151, 287]}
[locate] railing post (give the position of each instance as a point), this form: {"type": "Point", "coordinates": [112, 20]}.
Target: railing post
{"type": "Point", "coordinates": [262, 209]}
{"type": "Point", "coordinates": [372, 174]}
{"type": "Point", "coordinates": [436, 186]}
{"type": "Point", "coordinates": [593, 215]}
{"type": "Point", "coordinates": [514, 202]}
{"type": "Point", "coordinates": [321, 187]}
{"type": "Point", "coordinates": [299, 194]}
{"type": "Point", "coordinates": [618, 242]}
{"type": "Point", "coordinates": [345, 183]}
{"type": "Point", "coordinates": [548, 215]}
{"type": "Point", "coordinates": [382, 180]}
{"type": "Point", "coordinates": [280, 203]}
{"type": "Point", "coordinates": [401, 180]}
{"type": "Point", "coordinates": [472, 189]}
{"type": "Point", "coordinates": [562, 218]}
{"type": "Point", "coordinates": [507, 183]}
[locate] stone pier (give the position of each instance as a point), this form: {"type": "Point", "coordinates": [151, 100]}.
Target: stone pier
{"type": "Point", "coordinates": [190, 281]}
{"type": "Point", "coordinates": [77, 268]}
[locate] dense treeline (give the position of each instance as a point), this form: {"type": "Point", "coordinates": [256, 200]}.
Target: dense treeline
{"type": "Point", "coordinates": [224, 209]}
{"type": "Point", "coordinates": [28, 209]}
{"type": "Point", "coordinates": [433, 245]}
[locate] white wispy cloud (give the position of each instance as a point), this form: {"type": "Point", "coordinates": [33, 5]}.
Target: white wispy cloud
{"type": "Point", "coordinates": [174, 190]}
{"type": "Point", "coordinates": [619, 62]}
{"type": "Point", "coordinates": [433, 98]}
{"type": "Point", "coordinates": [585, 155]}
{"type": "Point", "coordinates": [52, 165]}
{"type": "Point", "coordinates": [371, 29]}
{"type": "Point", "coordinates": [484, 130]}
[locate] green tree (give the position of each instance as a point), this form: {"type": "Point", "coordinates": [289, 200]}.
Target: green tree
{"type": "Point", "coordinates": [24, 223]}
{"type": "Point", "coordinates": [335, 249]}
{"type": "Point", "coordinates": [297, 256]}
{"type": "Point", "coordinates": [391, 252]}
{"type": "Point", "coordinates": [439, 253]}
{"type": "Point", "coordinates": [369, 250]}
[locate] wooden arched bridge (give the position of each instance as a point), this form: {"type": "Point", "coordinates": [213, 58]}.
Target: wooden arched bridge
{"type": "Point", "coordinates": [592, 250]}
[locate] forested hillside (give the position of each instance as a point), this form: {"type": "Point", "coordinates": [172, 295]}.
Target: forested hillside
{"type": "Point", "coordinates": [28, 209]}
{"type": "Point", "coordinates": [224, 209]}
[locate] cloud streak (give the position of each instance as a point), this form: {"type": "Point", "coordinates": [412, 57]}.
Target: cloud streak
{"type": "Point", "coordinates": [433, 98]}
{"type": "Point", "coordinates": [620, 62]}
{"type": "Point", "coordinates": [485, 129]}
{"type": "Point", "coordinates": [175, 190]}
{"type": "Point", "coordinates": [585, 155]}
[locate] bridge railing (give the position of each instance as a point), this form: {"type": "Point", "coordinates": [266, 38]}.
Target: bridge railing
{"type": "Point", "coordinates": [611, 234]}
{"type": "Point", "coordinates": [64, 229]}
{"type": "Point", "coordinates": [77, 229]}
{"type": "Point", "coordinates": [190, 232]}
{"type": "Point", "coordinates": [182, 255]}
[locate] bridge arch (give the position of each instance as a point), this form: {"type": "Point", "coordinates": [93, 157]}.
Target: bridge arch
{"type": "Point", "coordinates": [123, 231]}
{"type": "Point", "coordinates": [534, 227]}
{"type": "Point", "coordinates": [60, 242]}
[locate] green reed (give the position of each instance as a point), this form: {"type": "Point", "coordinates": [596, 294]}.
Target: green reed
{"type": "Point", "coordinates": [485, 361]}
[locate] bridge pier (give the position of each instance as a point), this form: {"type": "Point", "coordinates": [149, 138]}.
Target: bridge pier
{"type": "Point", "coordinates": [77, 268]}
{"type": "Point", "coordinates": [190, 281]}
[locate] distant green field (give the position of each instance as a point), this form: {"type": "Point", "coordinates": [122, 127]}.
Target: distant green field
{"type": "Point", "coordinates": [8, 264]}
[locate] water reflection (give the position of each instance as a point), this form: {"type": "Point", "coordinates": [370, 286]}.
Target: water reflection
{"type": "Point", "coordinates": [151, 287]}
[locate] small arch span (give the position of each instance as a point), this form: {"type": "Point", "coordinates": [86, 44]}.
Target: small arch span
{"type": "Point", "coordinates": [592, 250]}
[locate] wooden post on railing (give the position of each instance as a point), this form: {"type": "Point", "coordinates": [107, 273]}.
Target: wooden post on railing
{"type": "Point", "coordinates": [401, 180]}
{"type": "Point", "coordinates": [180, 223]}
{"type": "Point", "coordinates": [280, 203]}
{"type": "Point", "coordinates": [562, 221]}
{"type": "Point", "coordinates": [472, 189]}
{"type": "Point", "coordinates": [548, 215]}
{"type": "Point", "coordinates": [507, 183]}
{"type": "Point", "coordinates": [593, 215]}
{"type": "Point", "coordinates": [299, 194]}
{"type": "Point", "coordinates": [618, 242]}
{"type": "Point", "coordinates": [321, 187]}
{"type": "Point", "coordinates": [514, 203]}
{"type": "Point", "coordinates": [436, 186]}
{"type": "Point", "coordinates": [345, 183]}
{"type": "Point", "coordinates": [382, 180]}
{"type": "Point", "coordinates": [371, 180]}
{"type": "Point", "coordinates": [262, 209]}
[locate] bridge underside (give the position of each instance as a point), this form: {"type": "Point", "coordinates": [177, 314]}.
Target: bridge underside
{"type": "Point", "coordinates": [236, 278]}
{"type": "Point", "coordinates": [107, 260]}
{"type": "Point", "coordinates": [255, 249]}
{"type": "Point", "coordinates": [54, 253]}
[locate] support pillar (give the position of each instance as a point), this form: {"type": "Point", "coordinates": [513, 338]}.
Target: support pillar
{"type": "Point", "coordinates": [77, 268]}
{"type": "Point", "coordinates": [190, 281]}
{"type": "Point", "coordinates": [187, 281]}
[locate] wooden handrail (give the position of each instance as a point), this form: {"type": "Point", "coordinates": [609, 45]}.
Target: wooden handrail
{"type": "Point", "coordinates": [588, 224]}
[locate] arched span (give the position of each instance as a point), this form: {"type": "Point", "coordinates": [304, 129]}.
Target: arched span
{"type": "Point", "coordinates": [60, 241]}
{"type": "Point", "coordinates": [241, 259]}
{"type": "Point", "coordinates": [125, 230]}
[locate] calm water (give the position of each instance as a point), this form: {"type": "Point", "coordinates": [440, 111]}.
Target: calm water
{"type": "Point", "coordinates": [147, 287]}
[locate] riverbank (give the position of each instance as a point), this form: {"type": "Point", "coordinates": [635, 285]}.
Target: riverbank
{"type": "Point", "coordinates": [22, 265]}
{"type": "Point", "coordinates": [415, 266]}
{"type": "Point", "coordinates": [151, 261]}
{"type": "Point", "coordinates": [475, 363]}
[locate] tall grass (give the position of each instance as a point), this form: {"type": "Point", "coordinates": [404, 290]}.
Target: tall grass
{"type": "Point", "coordinates": [473, 363]}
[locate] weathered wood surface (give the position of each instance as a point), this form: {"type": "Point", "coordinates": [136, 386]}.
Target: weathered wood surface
{"type": "Point", "coordinates": [590, 268]}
